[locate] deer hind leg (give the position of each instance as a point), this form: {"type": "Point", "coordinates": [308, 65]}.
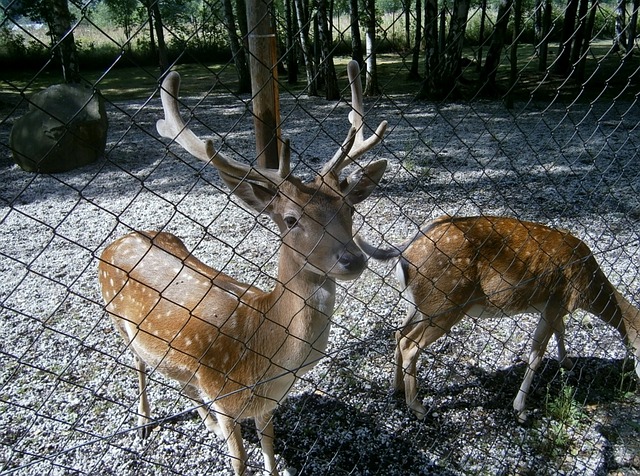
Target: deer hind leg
{"type": "Point", "coordinates": [233, 436]}
{"type": "Point", "coordinates": [547, 325]}
{"type": "Point", "coordinates": [410, 342]}
{"type": "Point", "coordinates": [209, 420]}
{"type": "Point", "coordinates": [563, 359]}
{"type": "Point", "coordinates": [144, 409]}
{"type": "Point", "coordinates": [399, 370]}
{"type": "Point", "coordinates": [614, 309]}
{"type": "Point", "coordinates": [264, 425]}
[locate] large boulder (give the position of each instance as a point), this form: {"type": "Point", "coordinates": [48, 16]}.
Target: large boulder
{"type": "Point", "coordinates": [65, 128]}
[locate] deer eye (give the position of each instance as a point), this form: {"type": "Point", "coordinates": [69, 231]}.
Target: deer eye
{"type": "Point", "coordinates": [290, 221]}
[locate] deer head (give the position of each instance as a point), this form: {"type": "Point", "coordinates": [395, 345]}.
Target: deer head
{"type": "Point", "coordinates": [314, 218]}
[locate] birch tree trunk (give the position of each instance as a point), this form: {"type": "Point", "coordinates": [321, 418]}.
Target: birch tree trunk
{"type": "Point", "coordinates": [305, 45]}
{"type": "Point", "coordinates": [371, 86]}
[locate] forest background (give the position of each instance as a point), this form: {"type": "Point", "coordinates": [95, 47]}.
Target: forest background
{"type": "Point", "coordinates": [443, 50]}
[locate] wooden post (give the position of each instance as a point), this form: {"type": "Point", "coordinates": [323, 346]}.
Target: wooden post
{"type": "Point", "coordinates": [264, 85]}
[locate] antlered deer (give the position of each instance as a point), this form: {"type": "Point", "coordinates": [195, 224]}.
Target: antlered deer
{"type": "Point", "coordinates": [223, 340]}
{"type": "Point", "coordinates": [486, 266]}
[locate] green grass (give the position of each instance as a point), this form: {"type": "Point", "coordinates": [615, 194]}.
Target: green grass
{"type": "Point", "coordinates": [606, 78]}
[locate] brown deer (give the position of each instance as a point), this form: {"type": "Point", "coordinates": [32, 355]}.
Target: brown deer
{"type": "Point", "coordinates": [225, 341]}
{"type": "Point", "coordinates": [486, 266]}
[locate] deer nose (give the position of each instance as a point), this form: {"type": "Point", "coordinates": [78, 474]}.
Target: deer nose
{"type": "Point", "coordinates": [352, 261]}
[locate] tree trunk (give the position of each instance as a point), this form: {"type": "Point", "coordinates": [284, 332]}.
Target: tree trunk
{"type": "Point", "coordinates": [431, 35]}
{"type": "Point", "coordinates": [292, 62]}
{"type": "Point", "coordinates": [156, 27]}
{"type": "Point", "coordinates": [455, 39]}
{"type": "Point", "coordinates": [563, 62]}
{"type": "Point", "coordinates": [543, 41]}
{"type": "Point", "coordinates": [586, 42]}
{"type": "Point", "coordinates": [442, 71]}
{"type": "Point", "coordinates": [406, 5]}
{"type": "Point", "coordinates": [432, 50]}
{"type": "Point", "coordinates": [163, 58]}
{"type": "Point", "coordinates": [237, 49]}
{"type": "Point", "coordinates": [483, 17]}
{"type": "Point", "coordinates": [62, 33]}
{"type": "Point", "coordinates": [326, 43]}
{"type": "Point", "coordinates": [490, 69]}
{"type": "Point", "coordinates": [264, 84]}
{"type": "Point", "coordinates": [305, 44]}
{"type": "Point", "coordinates": [633, 28]}
{"type": "Point", "coordinates": [371, 86]}
{"type": "Point", "coordinates": [619, 38]}
{"type": "Point", "coordinates": [413, 72]}
{"type": "Point", "coordinates": [152, 36]}
{"type": "Point", "coordinates": [357, 53]}
{"type": "Point", "coordinates": [579, 36]}
{"type": "Point", "coordinates": [513, 77]}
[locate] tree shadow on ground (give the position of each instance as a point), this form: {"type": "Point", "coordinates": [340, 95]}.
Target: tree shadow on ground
{"type": "Point", "coordinates": [321, 435]}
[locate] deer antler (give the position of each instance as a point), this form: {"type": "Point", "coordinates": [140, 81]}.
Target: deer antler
{"type": "Point", "coordinates": [173, 127]}
{"type": "Point", "coordinates": [355, 144]}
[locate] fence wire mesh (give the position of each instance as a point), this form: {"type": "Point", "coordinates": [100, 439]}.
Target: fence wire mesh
{"type": "Point", "coordinates": [538, 145]}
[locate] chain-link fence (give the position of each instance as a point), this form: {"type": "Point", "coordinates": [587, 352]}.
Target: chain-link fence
{"type": "Point", "coordinates": [541, 146]}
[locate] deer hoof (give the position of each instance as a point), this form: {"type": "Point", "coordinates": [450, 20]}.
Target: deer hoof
{"type": "Point", "coordinates": [144, 431]}
{"type": "Point", "coordinates": [522, 417]}
{"type": "Point", "coordinates": [567, 363]}
{"type": "Point", "coordinates": [418, 410]}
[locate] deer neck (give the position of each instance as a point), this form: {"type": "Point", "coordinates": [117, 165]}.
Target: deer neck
{"type": "Point", "coordinates": [301, 300]}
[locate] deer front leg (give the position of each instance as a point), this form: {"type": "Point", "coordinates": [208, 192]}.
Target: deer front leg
{"type": "Point", "coordinates": [232, 434]}
{"type": "Point", "coordinates": [264, 425]}
{"type": "Point", "coordinates": [144, 409]}
{"type": "Point", "coordinates": [421, 335]}
{"type": "Point", "coordinates": [540, 340]}
{"type": "Point", "coordinates": [209, 420]}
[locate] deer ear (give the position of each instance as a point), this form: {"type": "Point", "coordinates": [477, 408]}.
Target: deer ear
{"type": "Point", "coordinates": [359, 184]}
{"type": "Point", "coordinates": [256, 196]}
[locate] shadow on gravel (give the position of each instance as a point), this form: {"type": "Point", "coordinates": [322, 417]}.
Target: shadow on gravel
{"type": "Point", "coordinates": [331, 437]}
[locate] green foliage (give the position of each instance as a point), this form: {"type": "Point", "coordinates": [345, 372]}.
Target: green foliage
{"type": "Point", "coordinates": [564, 408]}
{"type": "Point", "coordinates": [16, 51]}
{"type": "Point", "coordinates": [122, 13]}
{"type": "Point", "coordinates": [198, 25]}
{"type": "Point", "coordinates": [558, 432]}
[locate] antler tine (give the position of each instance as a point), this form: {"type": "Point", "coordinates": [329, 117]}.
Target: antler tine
{"type": "Point", "coordinates": [354, 145]}
{"type": "Point", "coordinates": [360, 145]}
{"type": "Point", "coordinates": [341, 154]}
{"type": "Point", "coordinates": [173, 127]}
{"type": "Point", "coordinates": [284, 161]}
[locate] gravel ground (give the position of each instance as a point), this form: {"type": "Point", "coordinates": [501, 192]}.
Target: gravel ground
{"type": "Point", "coordinates": [68, 393]}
